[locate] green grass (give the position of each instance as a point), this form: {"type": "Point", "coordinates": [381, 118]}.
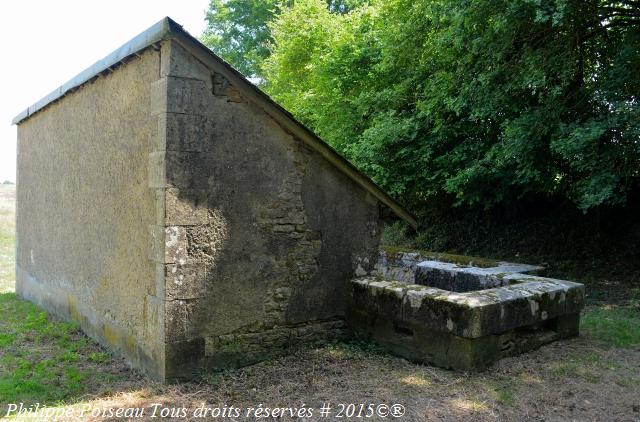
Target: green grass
{"type": "Point", "coordinates": [43, 360]}
{"type": "Point", "coordinates": [617, 326]}
{"type": "Point", "coordinates": [588, 366]}
{"type": "Point", "coordinates": [7, 240]}
{"type": "Point", "coordinates": [99, 357]}
{"type": "Point", "coordinates": [503, 392]}
{"type": "Point", "coordinates": [571, 368]}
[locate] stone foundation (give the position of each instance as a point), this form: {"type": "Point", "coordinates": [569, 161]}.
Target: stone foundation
{"type": "Point", "coordinates": [190, 358]}
{"type": "Point", "coordinates": [486, 313]}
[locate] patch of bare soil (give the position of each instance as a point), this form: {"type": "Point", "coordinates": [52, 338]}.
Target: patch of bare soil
{"type": "Point", "coordinates": [571, 380]}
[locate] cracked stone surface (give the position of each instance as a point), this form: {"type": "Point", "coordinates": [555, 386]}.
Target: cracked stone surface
{"type": "Point", "coordinates": [461, 316]}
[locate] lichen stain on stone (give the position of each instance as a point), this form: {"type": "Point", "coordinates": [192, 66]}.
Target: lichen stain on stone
{"type": "Point", "coordinates": [130, 345]}
{"type": "Point", "coordinates": [399, 253]}
{"type": "Point", "coordinates": [450, 324]}
{"type": "Point", "coordinates": [110, 335]}
{"type": "Point", "coordinates": [534, 306]}
{"type": "Point", "coordinates": [72, 303]}
{"type": "Point", "coordinates": [359, 272]}
{"type": "Point", "coordinates": [145, 316]}
{"type": "Point", "coordinates": [172, 236]}
{"type": "Point", "coordinates": [415, 298]}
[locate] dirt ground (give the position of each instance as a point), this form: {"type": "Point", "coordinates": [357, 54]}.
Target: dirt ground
{"type": "Point", "coordinates": [574, 380]}
{"type": "Point", "coordinates": [582, 379]}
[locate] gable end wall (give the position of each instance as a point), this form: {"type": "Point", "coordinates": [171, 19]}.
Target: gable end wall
{"type": "Point", "coordinates": [182, 226]}
{"type": "Point", "coordinates": [263, 233]}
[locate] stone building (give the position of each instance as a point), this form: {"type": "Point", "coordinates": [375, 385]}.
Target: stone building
{"type": "Point", "coordinates": [184, 219]}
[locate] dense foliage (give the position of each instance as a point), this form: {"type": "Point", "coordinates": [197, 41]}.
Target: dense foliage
{"type": "Point", "coordinates": [238, 31]}
{"type": "Point", "coordinates": [481, 102]}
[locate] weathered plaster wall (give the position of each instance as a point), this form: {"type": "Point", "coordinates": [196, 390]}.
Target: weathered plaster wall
{"type": "Point", "coordinates": [180, 224]}
{"type": "Point", "coordinates": [263, 233]}
{"type": "Point", "coordinates": [85, 207]}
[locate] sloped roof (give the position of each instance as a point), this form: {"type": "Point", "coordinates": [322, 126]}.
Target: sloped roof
{"type": "Point", "coordinates": [169, 29]}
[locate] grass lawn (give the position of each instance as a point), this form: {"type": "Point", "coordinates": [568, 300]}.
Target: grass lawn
{"type": "Point", "coordinates": [594, 377]}
{"type": "Point", "coordinates": [7, 237]}
{"type": "Point", "coordinates": [43, 360]}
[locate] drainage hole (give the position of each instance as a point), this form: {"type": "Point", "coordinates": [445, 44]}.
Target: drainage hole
{"type": "Point", "coordinates": [402, 329]}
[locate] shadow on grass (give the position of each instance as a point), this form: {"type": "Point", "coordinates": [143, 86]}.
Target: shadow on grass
{"type": "Point", "coordinates": [52, 363]}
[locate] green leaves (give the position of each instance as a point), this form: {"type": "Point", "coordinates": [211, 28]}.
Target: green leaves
{"type": "Point", "coordinates": [483, 101]}
{"type": "Point", "coordinates": [237, 31]}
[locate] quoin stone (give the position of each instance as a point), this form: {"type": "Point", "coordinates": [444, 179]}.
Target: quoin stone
{"type": "Point", "coordinates": [184, 219]}
{"type": "Point", "coordinates": [189, 223]}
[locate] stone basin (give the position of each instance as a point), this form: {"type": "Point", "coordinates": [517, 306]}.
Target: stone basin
{"type": "Point", "coordinates": [460, 316]}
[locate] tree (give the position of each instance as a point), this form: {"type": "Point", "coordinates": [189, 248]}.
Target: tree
{"type": "Point", "coordinates": [483, 101]}
{"type": "Point", "coordinates": [238, 31]}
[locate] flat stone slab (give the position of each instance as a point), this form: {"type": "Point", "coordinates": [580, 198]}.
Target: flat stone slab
{"type": "Point", "coordinates": [402, 266]}
{"type": "Point", "coordinates": [463, 278]}
{"type": "Point", "coordinates": [473, 314]}
{"type": "Point", "coordinates": [461, 312]}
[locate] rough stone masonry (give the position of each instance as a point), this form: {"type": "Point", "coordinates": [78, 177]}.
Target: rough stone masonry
{"type": "Point", "coordinates": [188, 222]}
{"type": "Point", "coordinates": [455, 314]}
{"type": "Point", "coordinates": [184, 219]}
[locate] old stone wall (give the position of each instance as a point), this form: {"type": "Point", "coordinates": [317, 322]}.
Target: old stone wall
{"type": "Point", "coordinates": [85, 208]}
{"type": "Point", "coordinates": [262, 233]}
{"type": "Point", "coordinates": [180, 224]}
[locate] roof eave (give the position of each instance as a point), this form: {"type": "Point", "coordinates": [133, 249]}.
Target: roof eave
{"type": "Point", "coordinates": [154, 34]}
{"type": "Point", "coordinates": [168, 28]}
{"type": "Point", "coordinates": [288, 121]}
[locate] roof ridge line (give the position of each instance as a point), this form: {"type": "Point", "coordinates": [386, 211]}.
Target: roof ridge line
{"type": "Point", "coordinates": [168, 28]}
{"type": "Point", "coordinates": [155, 33]}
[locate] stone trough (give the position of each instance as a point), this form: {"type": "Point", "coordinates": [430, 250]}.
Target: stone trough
{"type": "Point", "coordinates": [461, 315]}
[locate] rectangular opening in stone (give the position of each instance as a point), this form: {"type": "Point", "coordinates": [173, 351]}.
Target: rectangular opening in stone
{"type": "Point", "coordinates": [458, 276]}
{"type": "Point", "coordinates": [462, 282]}
{"type": "Point", "coordinates": [402, 329]}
